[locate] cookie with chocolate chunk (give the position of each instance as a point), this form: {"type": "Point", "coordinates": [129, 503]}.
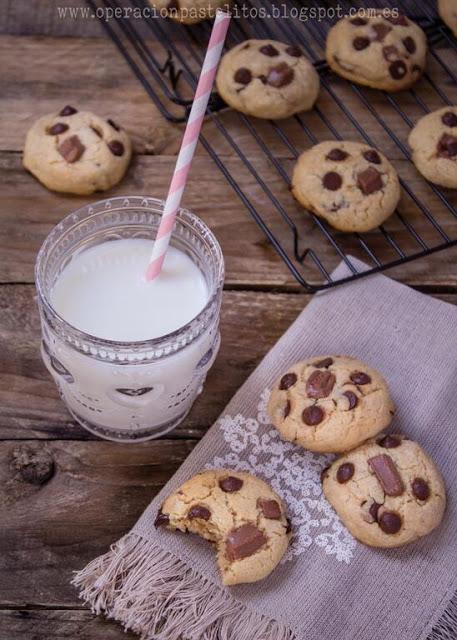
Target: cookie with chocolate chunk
{"type": "Point", "coordinates": [239, 513]}
{"type": "Point", "coordinates": [351, 185]}
{"type": "Point", "coordinates": [77, 152]}
{"type": "Point", "coordinates": [433, 143]}
{"type": "Point", "coordinates": [189, 11]}
{"type": "Point", "coordinates": [387, 492]}
{"type": "Point", "coordinates": [384, 49]}
{"type": "Point", "coordinates": [330, 403]}
{"type": "Point", "coordinates": [448, 12]}
{"type": "Point", "coordinates": [267, 79]}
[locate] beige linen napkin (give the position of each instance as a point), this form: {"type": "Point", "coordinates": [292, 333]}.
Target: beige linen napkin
{"type": "Point", "coordinates": [165, 585]}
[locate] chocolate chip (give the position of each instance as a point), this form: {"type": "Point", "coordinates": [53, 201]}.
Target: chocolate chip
{"type": "Point", "coordinates": [230, 484]}
{"type": "Point", "coordinates": [68, 111]}
{"type": "Point", "coordinates": [390, 522]}
{"type": "Point", "coordinates": [369, 181]}
{"type": "Point", "coordinates": [389, 442]}
{"type": "Point", "coordinates": [294, 51]}
{"type": "Point", "coordinates": [287, 409]}
{"type": "Point", "coordinates": [116, 147]}
{"type": "Point", "coordinates": [337, 155]}
{"type": "Point", "coordinates": [113, 124]}
{"type": "Point", "coordinates": [71, 149]}
{"type": "Point", "coordinates": [320, 384]}
{"type": "Point", "coordinates": [199, 512]}
{"type": "Point", "coordinates": [289, 525]}
{"type": "Point", "coordinates": [449, 119]}
{"type": "Point", "coordinates": [390, 53]}
{"type": "Point", "coordinates": [387, 474]}
{"type": "Point", "coordinates": [381, 30]}
{"type": "Point", "coordinates": [359, 377]}
{"type": "Point", "coordinates": [410, 44]}
{"type": "Point", "coordinates": [244, 542]}
{"type": "Point", "coordinates": [373, 510]}
{"type": "Point", "coordinates": [360, 43]}
{"type": "Point", "coordinates": [397, 69]}
{"type": "Point", "coordinates": [269, 50]}
{"type": "Point", "coordinates": [280, 76]}
{"type": "Point", "coordinates": [246, 46]}
{"type": "Point", "coordinates": [312, 415]}
{"type": "Point", "coordinates": [400, 19]}
{"type": "Point", "coordinates": [262, 78]}
{"type": "Point", "coordinates": [287, 381]}
{"type": "Point", "coordinates": [420, 489]}
{"type": "Point", "coordinates": [353, 400]}
{"type": "Point", "coordinates": [416, 68]}
{"type": "Point", "coordinates": [324, 473]}
{"type": "Point", "coordinates": [97, 131]}
{"type": "Point", "coordinates": [323, 364]}
{"type": "Point", "coordinates": [269, 508]}
{"type": "Point", "coordinates": [57, 129]}
{"type": "Point", "coordinates": [358, 22]}
{"type": "Point", "coordinates": [332, 181]}
{"type": "Point", "coordinates": [372, 156]}
{"type": "Point", "coordinates": [447, 146]}
{"type": "Point", "coordinates": [161, 519]}
{"type": "Point", "coordinates": [345, 472]}
{"type": "Point", "coordinates": [242, 76]}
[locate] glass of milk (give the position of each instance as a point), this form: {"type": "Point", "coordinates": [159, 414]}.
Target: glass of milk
{"type": "Point", "coordinates": [128, 356]}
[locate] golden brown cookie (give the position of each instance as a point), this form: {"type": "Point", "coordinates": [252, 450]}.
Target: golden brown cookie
{"type": "Point", "coordinates": [189, 11]}
{"type": "Point", "coordinates": [448, 12]}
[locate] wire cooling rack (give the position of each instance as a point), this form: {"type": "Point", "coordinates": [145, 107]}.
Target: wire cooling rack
{"type": "Point", "coordinates": [166, 58]}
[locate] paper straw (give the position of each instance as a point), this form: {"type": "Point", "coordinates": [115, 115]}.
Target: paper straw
{"type": "Point", "coordinates": [189, 143]}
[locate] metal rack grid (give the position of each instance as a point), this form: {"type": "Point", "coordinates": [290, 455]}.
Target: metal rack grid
{"type": "Point", "coordinates": [308, 246]}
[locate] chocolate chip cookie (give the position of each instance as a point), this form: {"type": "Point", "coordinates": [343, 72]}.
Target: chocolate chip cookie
{"type": "Point", "coordinates": [239, 513]}
{"type": "Point", "coordinates": [189, 11]}
{"type": "Point", "coordinates": [387, 492]}
{"type": "Point", "coordinates": [448, 12]}
{"type": "Point", "coordinates": [267, 79]}
{"type": "Point", "coordinates": [349, 184]}
{"type": "Point", "coordinates": [433, 142]}
{"type": "Point", "coordinates": [384, 51]}
{"type": "Point", "coordinates": [330, 403]}
{"type": "Point", "coordinates": [77, 152]}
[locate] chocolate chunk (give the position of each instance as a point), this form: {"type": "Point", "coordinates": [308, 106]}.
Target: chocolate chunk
{"type": "Point", "coordinates": [359, 377]}
{"type": "Point", "coordinates": [116, 147]}
{"type": "Point", "coordinates": [246, 46]}
{"type": "Point", "coordinates": [447, 146]}
{"type": "Point", "coordinates": [337, 155]}
{"type": "Point", "coordinates": [244, 542]}
{"type": "Point", "coordinates": [332, 181]}
{"type": "Point", "coordinates": [288, 380]}
{"type": "Point", "coordinates": [68, 111]}
{"type": "Point", "coordinates": [353, 400]}
{"type": "Point", "coordinates": [287, 409]}
{"type": "Point", "coordinates": [262, 78]}
{"type": "Point", "coordinates": [420, 489]}
{"type": "Point", "coordinates": [387, 474]}
{"type": "Point", "coordinates": [230, 484]}
{"type": "Point", "coordinates": [399, 19]}
{"type": "Point", "coordinates": [57, 129]}
{"type": "Point", "coordinates": [390, 522]}
{"type": "Point", "coordinates": [373, 510]}
{"type": "Point", "coordinates": [323, 364]}
{"type": "Point", "coordinates": [294, 51]}
{"type": "Point", "coordinates": [345, 472]}
{"type": "Point", "coordinates": [161, 519]}
{"type": "Point", "coordinates": [320, 384]}
{"type": "Point", "coordinates": [269, 50]}
{"type": "Point", "coordinates": [312, 415]}
{"type": "Point", "coordinates": [372, 156]}
{"type": "Point", "coordinates": [269, 508]}
{"type": "Point", "coordinates": [358, 22]}
{"type": "Point", "coordinates": [410, 44]}
{"type": "Point", "coordinates": [397, 69]}
{"type": "Point", "coordinates": [389, 442]}
{"type": "Point", "coordinates": [369, 181]}
{"type": "Point", "coordinates": [390, 53]}
{"type": "Point", "coordinates": [360, 43]}
{"type": "Point", "coordinates": [280, 76]}
{"type": "Point", "coordinates": [97, 131]}
{"type": "Point", "coordinates": [242, 76]}
{"type": "Point", "coordinates": [381, 30]}
{"type": "Point", "coordinates": [289, 525]}
{"type": "Point", "coordinates": [199, 512]}
{"type": "Point", "coordinates": [71, 149]}
{"type": "Point", "coordinates": [449, 119]}
{"type": "Point", "coordinates": [113, 124]}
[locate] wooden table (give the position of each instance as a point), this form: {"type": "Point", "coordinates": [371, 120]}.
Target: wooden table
{"type": "Point", "coordinates": [64, 495]}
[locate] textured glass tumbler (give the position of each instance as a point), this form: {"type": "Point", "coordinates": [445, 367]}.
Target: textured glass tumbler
{"type": "Point", "coordinates": [129, 391]}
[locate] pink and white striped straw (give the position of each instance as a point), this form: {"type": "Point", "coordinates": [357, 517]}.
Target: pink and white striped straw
{"type": "Point", "coordinates": [190, 139]}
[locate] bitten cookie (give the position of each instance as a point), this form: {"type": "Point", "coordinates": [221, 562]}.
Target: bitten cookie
{"type": "Point", "coordinates": [384, 51]}
{"type": "Point", "coordinates": [189, 11]}
{"type": "Point", "coordinates": [267, 79]}
{"type": "Point", "coordinates": [239, 513]}
{"type": "Point", "coordinates": [77, 152]}
{"type": "Point", "coordinates": [448, 12]}
{"type": "Point", "coordinates": [387, 492]}
{"type": "Point", "coordinates": [330, 403]}
{"type": "Point", "coordinates": [433, 143]}
{"type": "Point", "coordinates": [349, 184]}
